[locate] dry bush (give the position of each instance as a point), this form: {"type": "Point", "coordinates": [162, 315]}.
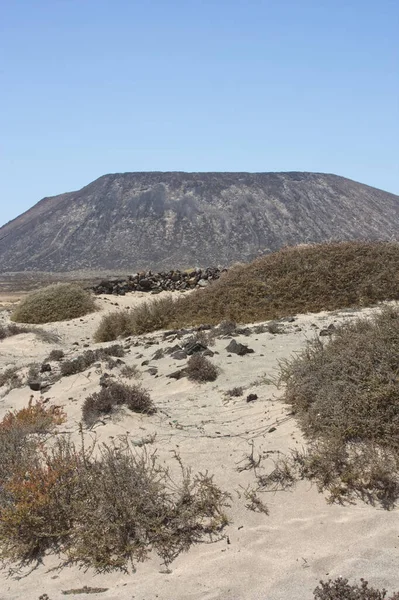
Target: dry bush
{"type": "Point", "coordinates": [55, 355]}
{"type": "Point", "coordinates": [345, 395]}
{"type": "Point", "coordinates": [152, 315]}
{"type": "Point", "coordinates": [235, 392]}
{"type": "Point", "coordinates": [80, 363]}
{"type": "Point", "coordinates": [103, 511]}
{"type": "Point", "coordinates": [200, 369]}
{"type": "Point", "coordinates": [113, 325]}
{"type": "Point", "coordinates": [293, 280]}
{"type": "Point", "coordinates": [113, 395]}
{"type": "Point", "coordinates": [340, 589]}
{"type": "Point", "coordinates": [58, 302]}
{"type": "Point", "coordinates": [131, 372]}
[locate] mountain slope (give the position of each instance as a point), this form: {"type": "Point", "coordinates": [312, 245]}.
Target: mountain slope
{"type": "Point", "coordinates": [133, 221]}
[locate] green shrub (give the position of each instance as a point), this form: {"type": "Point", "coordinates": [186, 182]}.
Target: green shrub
{"type": "Point", "coordinates": [113, 395]}
{"type": "Point", "coordinates": [58, 302]}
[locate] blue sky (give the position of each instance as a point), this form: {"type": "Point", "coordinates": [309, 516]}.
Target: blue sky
{"type": "Point", "coordinates": [89, 87]}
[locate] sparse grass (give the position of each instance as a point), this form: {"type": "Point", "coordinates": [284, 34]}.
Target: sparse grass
{"type": "Point", "coordinates": [14, 329]}
{"type": "Point", "coordinates": [10, 378]}
{"type": "Point", "coordinates": [104, 509]}
{"type": "Point", "coordinates": [345, 395]}
{"type": "Point", "coordinates": [294, 280]}
{"type": "Point", "coordinates": [200, 369]}
{"type": "Point", "coordinates": [58, 302]}
{"type": "Point", "coordinates": [340, 589]}
{"type": "Point", "coordinates": [114, 395]}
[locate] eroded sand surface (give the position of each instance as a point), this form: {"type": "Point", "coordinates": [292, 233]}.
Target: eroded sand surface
{"type": "Point", "coordinates": [281, 556]}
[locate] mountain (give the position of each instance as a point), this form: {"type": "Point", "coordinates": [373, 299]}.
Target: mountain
{"type": "Point", "coordinates": [133, 221]}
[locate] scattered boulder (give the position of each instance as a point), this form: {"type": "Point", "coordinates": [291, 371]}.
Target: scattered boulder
{"type": "Point", "coordinates": [237, 348]}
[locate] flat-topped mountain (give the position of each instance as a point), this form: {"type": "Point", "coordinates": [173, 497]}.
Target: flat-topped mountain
{"type": "Point", "coordinates": [133, 221]}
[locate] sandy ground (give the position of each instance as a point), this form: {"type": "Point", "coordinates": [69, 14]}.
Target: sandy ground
{"type": "Point", "coordinates": [280, 556]}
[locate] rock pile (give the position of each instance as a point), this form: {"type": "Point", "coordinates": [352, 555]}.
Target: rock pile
{"type": "Point", "coordinates": [170, 281]}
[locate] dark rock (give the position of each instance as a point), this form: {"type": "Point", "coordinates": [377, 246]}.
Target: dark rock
{"type": "Point", "coordinates": [194, 347]}
{"type": "Point", "coordinates": [252, 397]}
{"type": "Point", "coordinates": [177, 374]}
{"type": "Point", "coordinates": [35, 386]}
{"type": "Point", "coordinates": [158, 354]}
{"type": "Point", "coordinates": [145, 363]}
{"type": "Point", "coordinates": [152, 371]}
{"type": "Point", "coordinates": [208, 352]}
{"type": "Point", "coordinates": [238, 348]}
{"type": "Point", "coordinates": [45, 368]}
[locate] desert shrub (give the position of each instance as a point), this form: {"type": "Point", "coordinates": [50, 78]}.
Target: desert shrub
{"type": "Point", "coordinates": [154, 314]}
{"type": "Point", "coordinates": [345, 395]}
{"type": "Point", "coordinates": [114, 394]}
{"type": "Point", "coordinates": [200, 369]}
{"type": "Point", "coordinates": [80, 363]}
{"type": "Point", "coordinates": [235, 392]}
{"type": "Point", "coordinates": [340, 589]}
{"type": "Point", "coordinates": [58, 302]}
{"type": "Point", "coordinates": [17, 447]}
{"type": "Point", "coordinates": [105, 510]}
{"type": "Point", "coordinates": [55, 355]}
{"type": "Point", "coordinates": [131, 372]}
{"type": "Point", "coordinates": [293, 280]}
{"type": "Point", "coordinates": [113, 325]}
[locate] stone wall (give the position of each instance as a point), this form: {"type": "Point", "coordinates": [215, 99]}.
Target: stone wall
{"type": "Point", "coordinates": [147, 281]}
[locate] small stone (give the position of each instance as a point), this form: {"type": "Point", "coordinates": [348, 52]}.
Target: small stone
{"type": "Point", "coordinates": [252, 397]}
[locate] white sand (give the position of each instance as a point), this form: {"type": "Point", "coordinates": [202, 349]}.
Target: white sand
{"type": "Point", "coordinates": [281, 556]}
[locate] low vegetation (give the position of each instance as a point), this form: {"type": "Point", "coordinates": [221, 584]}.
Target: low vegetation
{"type": "Point", "coordinates": [340, 589]}
{"type": "Point", "coordinates": [103, 509]}
{"type": "Point", "coordinates": [114, 395]}
{"type": "Point", "coordinates": [293, 280]}
{"type": "Point", "coordinates": [200, 369]}
{"type": "Point", "coordinates": [58, 302]}
{"type": "Point", "coordinates": [345, 395]}
{"type": "Point", "coordinates": [83, 361]}
{"type": "Point", "coordinates": [14, 329]}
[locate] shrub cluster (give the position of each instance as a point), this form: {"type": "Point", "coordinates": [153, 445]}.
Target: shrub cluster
{"type": "Point", "coordinates": [104, 509]}
{"type": "Point", "coordinates": [293, 280]}
{"type": "Point", "coordinates": [340, 589]}
{"type": "Point", "coordinates": [83, 361]}
{"type": "Point", "coordinates": [345, 395]}
{"type": "Point", "coordinates": [113, 395]}
{"type": "Point", "coordinates": [57, 302]}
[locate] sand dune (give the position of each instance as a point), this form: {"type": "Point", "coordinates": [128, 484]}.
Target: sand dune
{"type": "Point", "coordinates": [280, 556]}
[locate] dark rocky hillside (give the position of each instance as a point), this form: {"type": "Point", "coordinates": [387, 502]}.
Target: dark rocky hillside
{"type": "Point", "coordinates": [134, 221]}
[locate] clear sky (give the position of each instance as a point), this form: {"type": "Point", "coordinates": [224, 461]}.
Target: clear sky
{"type": "Point", "coordinates": [89, 87]}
